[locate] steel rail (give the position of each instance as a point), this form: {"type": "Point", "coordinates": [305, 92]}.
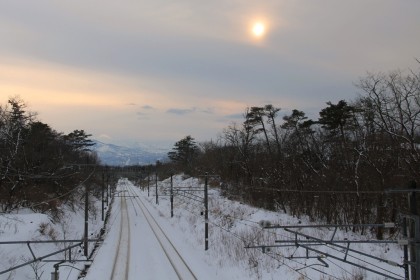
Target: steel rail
{"type": "Point", "coordinates": [182, 269]}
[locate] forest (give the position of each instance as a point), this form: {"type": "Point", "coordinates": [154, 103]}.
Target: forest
{"type": "Point", "coordinates": [40, 168]}
{"type": "Point", "coordinates": [346, 167]}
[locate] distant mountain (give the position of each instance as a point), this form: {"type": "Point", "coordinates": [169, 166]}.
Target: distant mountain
{"type": "Point", "coordinates": [115, 155]}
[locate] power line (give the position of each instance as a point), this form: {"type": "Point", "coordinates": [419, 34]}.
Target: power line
{"type": "Point", "coordinates": [185, 203]}
{"type": "Point", "coordinates": [365, 261]}
{"type": "Point", "coordinates": [245, 222]}
{"type": "Point", "coordinates": [65, 194]}
{"type": "Point", "coordinates": [245, 242]}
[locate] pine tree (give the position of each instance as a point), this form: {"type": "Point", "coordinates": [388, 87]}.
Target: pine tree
{"type": "Point", "coordinates": [184, 151]}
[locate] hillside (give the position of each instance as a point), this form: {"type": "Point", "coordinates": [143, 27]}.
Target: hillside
{"type": "Point", "coordinates": [114, 155]}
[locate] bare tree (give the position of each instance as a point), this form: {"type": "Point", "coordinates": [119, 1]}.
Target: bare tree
{"type": "Point", "coordinates": [395, 103]}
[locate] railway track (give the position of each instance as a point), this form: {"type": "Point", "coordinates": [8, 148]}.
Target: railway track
{"type": "Point", "coordinates": [121, 265]}
{"type": "Point", "coordinates": [121, 268]}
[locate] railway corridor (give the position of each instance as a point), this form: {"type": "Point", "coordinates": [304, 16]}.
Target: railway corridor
{"type": "Point", "coordinates": [135, 247]}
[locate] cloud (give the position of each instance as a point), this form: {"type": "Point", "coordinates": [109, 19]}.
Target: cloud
{"type": "Point", "coordinates": [177, 111]}
{"type": "Point", "coordinates": [235, 116]}
{"type": "Point", "coordinates": [145, 111]}
{"type": "Point", "coordinates": [207, 110]}
{"type": "Point", "coordinates": [181, 111]}
{"type": "Point", "coordinates": [89, 60]}
{"type": "Point", "coordinates": [143, 116]}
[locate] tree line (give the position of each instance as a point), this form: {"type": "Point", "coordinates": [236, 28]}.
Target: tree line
{"type": "Point", "coordinates": [337, 168]}
{"type": "Point", "coordinates": [40, 167]}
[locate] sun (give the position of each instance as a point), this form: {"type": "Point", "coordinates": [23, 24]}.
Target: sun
{"type": "Point", "coordinates": [258, 29]}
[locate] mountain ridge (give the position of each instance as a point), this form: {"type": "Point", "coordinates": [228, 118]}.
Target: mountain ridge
{"type": "Point", "coordinates": [116, 155]}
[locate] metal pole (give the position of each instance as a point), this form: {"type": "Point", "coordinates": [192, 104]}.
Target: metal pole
{"type": "Point", "coordinates": [157, 197]}
{"type": "Point", "coordinates": [103, 198]}
{"type": "Point", "coordinates": [415, 270]}
{"type": "Point", "coordinates": [107, 187]}
{"type": "Point", "coordinates": [86, 220]}
{"type": "Point", "coordinates": [148, 185]}
{"type": "Point", "coordinates": [172, 196]}
{"type": "Point", "coordinates": [206, 214]}
{"type": "Point", "coordinates": [56, 277]}
{"type": "Point", "coordinates": [405, 248]}
{"type": "Point", "coordinates": [417, 245]}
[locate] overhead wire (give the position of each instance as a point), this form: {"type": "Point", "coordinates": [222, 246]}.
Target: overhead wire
{"type": "Point", "coordinates": [333, 247]}
{"type": "Point", "coordinates": [340, 267]}
{"type": "Point", "coordinates": [288, 266]}
{"type": "Point", "coordinates": [367, 262]}
{"type": "Point", "coordinates": [244, 221]}
{"type": "Point", "coordinates": [325, 273]}
{"type": "Point", "coordinates": [65, 194]}
{"type": "Point", "coordinates": [245, 241]}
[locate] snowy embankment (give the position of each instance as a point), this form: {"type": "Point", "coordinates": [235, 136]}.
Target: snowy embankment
{"type": "Point", "coordinates": [234, 226]}
{"type": "Point", "coordinates": [28, 226]}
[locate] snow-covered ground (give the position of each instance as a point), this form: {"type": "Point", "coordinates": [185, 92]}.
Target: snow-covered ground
{"type": "Point", "coordinates": [145, 258]}
{"type": "Point", "coordinates": [232, 227]}
{"type": "Point", "coordinates": [28, 226]}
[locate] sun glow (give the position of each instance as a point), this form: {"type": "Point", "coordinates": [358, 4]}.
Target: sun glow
{"type": "Point", "coordinates": [258, 29]}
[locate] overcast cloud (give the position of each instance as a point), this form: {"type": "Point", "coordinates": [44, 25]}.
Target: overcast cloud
{"type": "Point", "coordinates": [183, 66]}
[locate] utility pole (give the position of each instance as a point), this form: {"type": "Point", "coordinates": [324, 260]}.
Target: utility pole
{"type": "Point", "coordinates": [414, 233]}
{"type": "Point", "coordinates": [405, 248]}
{"type": "Point", "coordinates": [86, 220]}
{"type": "Point", "coordinates": [156, 181]}
{"type": "Point", "coordinates": [107, 186]}
{"type": "Point", "coordinates": [103, 198]}
{"type": "Point", "coordinates": [206, 214]}
{"type": "Point", "coordinates": [172, 196]}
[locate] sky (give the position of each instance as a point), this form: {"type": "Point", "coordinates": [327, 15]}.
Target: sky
{"type": "Point", "coordinates": [156, 71]}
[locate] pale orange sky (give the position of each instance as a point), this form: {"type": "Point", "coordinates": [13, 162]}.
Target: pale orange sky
{"type": "Point", "coordinates": [158, 71]}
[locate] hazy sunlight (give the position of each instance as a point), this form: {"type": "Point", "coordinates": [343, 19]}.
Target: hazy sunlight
{"type": "Point", "coordinates": [258, 29]}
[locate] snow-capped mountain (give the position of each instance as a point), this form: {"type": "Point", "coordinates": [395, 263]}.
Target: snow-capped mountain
{"type": "Point", "coordinates": [115, 155]}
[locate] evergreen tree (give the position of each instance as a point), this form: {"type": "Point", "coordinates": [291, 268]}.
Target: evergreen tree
{"type": "Point", "coordinates": [79, 140]}
{"type": "Point", "coordinates": [184, 151]}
